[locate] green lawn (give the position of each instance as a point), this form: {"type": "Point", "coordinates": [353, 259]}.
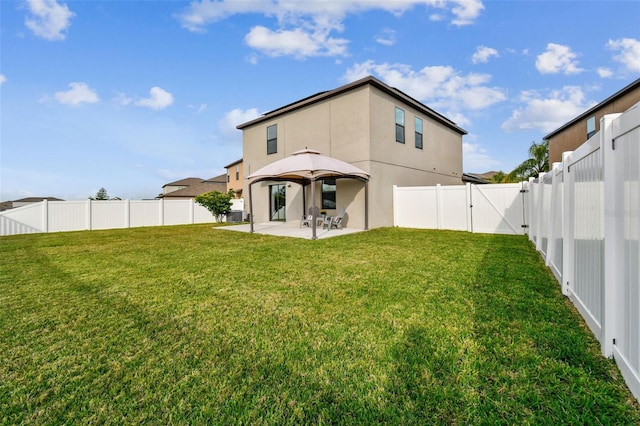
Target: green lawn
{"type": "Point", "coordinates": [189, 324]}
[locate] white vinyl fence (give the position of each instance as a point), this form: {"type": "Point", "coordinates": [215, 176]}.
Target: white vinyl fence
{"type": "Point", "coordinates": [585, 217]}
{"type": "Point", "coordinates": [491, 209]}
{"type": "Point", "coordinates": [57, 216]}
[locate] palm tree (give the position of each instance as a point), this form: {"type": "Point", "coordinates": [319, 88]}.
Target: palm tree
{"type": "Point", "coordinates": [538, 162]}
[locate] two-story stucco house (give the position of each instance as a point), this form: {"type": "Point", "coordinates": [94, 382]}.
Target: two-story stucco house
{"type": "Point", "coordinates": [375, 127]}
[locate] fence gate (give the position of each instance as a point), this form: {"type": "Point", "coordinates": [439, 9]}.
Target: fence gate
{"type": "Point", "coordinates": [492, 209]}
{"type": "Point", "coordinates": [498, 209]}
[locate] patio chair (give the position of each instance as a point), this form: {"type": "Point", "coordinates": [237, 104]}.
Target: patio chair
{"type": "Point", "coordinates": [308, 218]}
{"type": "Point", "coordinates": [334, 221]}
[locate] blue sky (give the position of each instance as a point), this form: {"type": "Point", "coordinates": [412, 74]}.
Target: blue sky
{"type": "Point", "coordinates": [131, 95]}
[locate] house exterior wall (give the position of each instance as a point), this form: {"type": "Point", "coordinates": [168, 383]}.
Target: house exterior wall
{"type": "Point", "coordinates": [575, 134]}
{"type": "Point", "coordinates": [357, 127]}
{"type": "Point", "coordinates": [235, 181]}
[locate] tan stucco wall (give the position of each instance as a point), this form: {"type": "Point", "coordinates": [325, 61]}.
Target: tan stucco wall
{"type": "Point", "coordinates": [575, 135]}
{"type": "Point", "coordinates": [357, 127]}
{"type": "Point", "coordinates": [233, 183]}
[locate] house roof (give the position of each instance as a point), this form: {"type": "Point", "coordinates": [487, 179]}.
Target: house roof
{"type": "Point", "coordinates": [322, 96]}
{"type": "Point", "coordinates": [233, 164]}
{"type": "Point", "coordinates": [185, 182]}
{"type": "Point", "coordinates": [36, 199]}
{"type": "Point", "coordinates": [633, 86]}
{"type": "Point", "coordinates": [197, 186]}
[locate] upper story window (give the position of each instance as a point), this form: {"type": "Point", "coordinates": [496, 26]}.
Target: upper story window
{"type": "Point", "coordinates": [329, 194]}
{"type": "Point", "coordinates": [228, 176]}
{"type": "Point", "coordinates": [399, 125]}
{"type": "Point", "coordinates": [237, 172]}
{"type": "Point", "coordinates": [418, 127]}
{"type": "Point", "coordinates": [591, 126]}
{"type": "Point", "coordinates": [272, 139]}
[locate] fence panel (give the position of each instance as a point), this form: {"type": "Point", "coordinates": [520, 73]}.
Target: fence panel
{"type": "Point", "coordinates": [627, 212]}
{"type": "Point", "coordinates": [68, 216]}
{"type": "Point", "coordinates": [108, 214]}
{"type": "Point", "coordinates": [588, 243]}
{"type": "Point", "coordinates": [416, 207]}
{"type": "Point", "coordinates": [498, 209]}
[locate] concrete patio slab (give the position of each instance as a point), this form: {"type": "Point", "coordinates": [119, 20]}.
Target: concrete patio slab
{"type": "Point", "coordinates": [289, 229]}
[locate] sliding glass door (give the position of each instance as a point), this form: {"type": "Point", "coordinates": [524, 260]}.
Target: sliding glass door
{"type": "Point", "coordinates": [277, 201]}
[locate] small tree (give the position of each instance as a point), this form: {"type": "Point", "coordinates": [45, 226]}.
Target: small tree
{"type": "Point", "coordinates": [102, 195]}
{"type": "Point", "coordinates": [537, 163]}
{"type": "Point", "coordinates": [218, 203]}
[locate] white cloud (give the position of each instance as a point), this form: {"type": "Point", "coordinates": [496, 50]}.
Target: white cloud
{"type": "Point", "coordinates": [558, 59]}
{"type": "Point", "coordinates": [547, 112]}
{"type": "Point", "coordinates": [476, 159]}
{"type": "Point", "coordinates": [298, 43]}
{"type": "Point", "coordinates": [628, 52]}
{"type": "Point", "coordinates": [3, 79]}
{"type": "Point", "coordinates": [483, 54]}
{"type": "Point", "coordinates": [440, 87]}
{"type": "Point", "coordinates": [386, 37]}
{"type": "Point", "coordinates": [48, 19]}
{"type": "Point", "coordinates": [158, 99]}
{"type": "Point", "coordinates": [78, 94]}
{"type": "Point", "coordinates": [122, 99]}
{"type": "Point", "coordinates": [306, 28]}
{"type": "Point", "coordinates": [233, 118]}
{"type": "Point", "coordinates": [605, 72]}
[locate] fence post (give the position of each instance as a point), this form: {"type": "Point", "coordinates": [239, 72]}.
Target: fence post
{"type": "Point", "coordinates": [613, 236]}
{"type": "Point", "coordinates": [469, 208]}
{"type": "Point", "coordinates": [395, 205]}
{"type": "Point", "coordinates": [161, 205]}
{"type": "Point", "coordinates": [127, 214]}
{"type": "Point", "coordinates": [438, 207]}
{"type": "Point", "coordinates": [88, 214]}
{"type": "Point", "coordinates": [45, 215]}
{"type": "Point", "coordinates": [533, 203]}
{"type": "Point", "coordinates": [551, 247]}
{"type": "Point", "coordinates": [568, 260]}
{"type": "Point", "coordinates": [540, 209]}
{"type": "Point", "coordinates": [192, 208]}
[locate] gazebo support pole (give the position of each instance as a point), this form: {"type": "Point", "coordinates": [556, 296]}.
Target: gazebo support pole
{"type": "Point", "coordinates": [313, 213]}
{"type": "Point", "coordinates": [250, 208]}
{"type": "Point", "coordinates": [366, 205]}
{"type": "Point", "coordinates": [304, 201]}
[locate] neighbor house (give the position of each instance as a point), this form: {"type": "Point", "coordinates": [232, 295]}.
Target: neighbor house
{"type": "Point", "coordinates": [192, 187]}
{"type": "Point", "coordinates": [375, 127]}
{"type": "Point", "coordinates": [7, 205]}
{"type": "Point", "coordinates": [573, 134]}
{"type": "Point", "coordinates": [235, 177]}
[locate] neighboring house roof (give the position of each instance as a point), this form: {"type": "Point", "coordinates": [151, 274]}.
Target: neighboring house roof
{"type": "Point", "coordinates": [36, 199]}
{"type": "Point", "coordinates": [473, 178]}
{"type": "Point", "coordinates": [233, 164]}
{"type": "Point", "coordinates": [185, 182]}
{"type": "Point", "coordinates": [319, 97]}
{"type": "Point", "coordinates": [197, 186]}
{"type": "Point", "coordinates": [633, 86]}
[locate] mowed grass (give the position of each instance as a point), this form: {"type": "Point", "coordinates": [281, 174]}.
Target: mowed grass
{"type": "Point", "coordinates": [195, 325]}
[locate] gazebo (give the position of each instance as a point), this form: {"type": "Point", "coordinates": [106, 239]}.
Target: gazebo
{"type": "Point", "coordinates": [305, 167]}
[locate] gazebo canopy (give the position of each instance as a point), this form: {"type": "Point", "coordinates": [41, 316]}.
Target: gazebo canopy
{"type": "Point", "coordinates": [304, 167]}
